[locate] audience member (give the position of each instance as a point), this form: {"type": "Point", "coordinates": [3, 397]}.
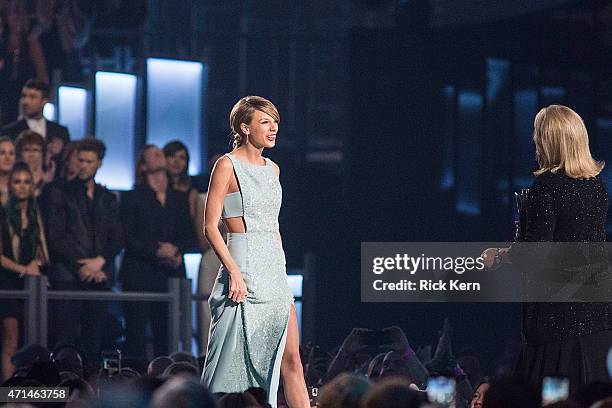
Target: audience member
{"type": "Point", "coordinates": [24, 251]}
{"type": "Point", "coordinates": [183, 368]}
{"type": "Point", "coordinates": [184, 392]}
{"type": "Point", "coordinates": [68, 358]}
{"type": "Point", "coordinates": [177, 161]}
{"type": "Point", "coordinates": [27, 356]}
{"type": "Point", "coordinates": [179, 356]}
{"type": "Point", "coordinates": [30, 149]}
{"type": "Point", "coordinates": [344, 391]}
{"type": "Point", "coordinates": [7, 161]}
{"type": "Point", "coordinates": [158, 365]}
{"type": "Point", "coordinates": [34, 96]}
{"type": "Point", "coordinates": [393, 393]}
{"type": "Point", "coordinates": [85, 236]}
{"type": "Point", "coordinates": [238, 400]}
{"type": "Point", "coordinates": [158, 230]}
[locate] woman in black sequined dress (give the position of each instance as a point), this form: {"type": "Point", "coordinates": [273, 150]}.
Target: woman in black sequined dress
{"type": "Point", "coordinates": [568, 202]}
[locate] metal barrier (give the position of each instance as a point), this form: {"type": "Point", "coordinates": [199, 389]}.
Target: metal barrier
{"type": "Point", "coordinates": [37, 296]}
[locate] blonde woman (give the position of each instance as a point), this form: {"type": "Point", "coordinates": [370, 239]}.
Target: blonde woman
{"type": "Point", "coordinates": [568, 202]}
{"type": "Point", "coordinates": [7, 161]}
{"type": "Point", "coordinates": [253, 335]}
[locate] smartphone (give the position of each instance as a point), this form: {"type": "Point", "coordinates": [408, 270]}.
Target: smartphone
{"type": "Point", "coordinates": [555, 389]}
{"type": "Point", "coordinates": [111, 362]}
{"type": "Point", "coordinates": [441, 392]}
{"type": "Point", "coordinates": [313, 395]}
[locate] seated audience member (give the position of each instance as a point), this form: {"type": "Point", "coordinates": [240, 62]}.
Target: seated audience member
{"type": "Point", "coordinates": [24, 251]}
{"type": "Point", "coordinates": [7, 161]}
{"type": "Point", "coordinates": [181, 368]}
{"type": "Point", "coordinates": [179, 356]}
{"type": "Point", "coordinates": [85, 235]}
{"type": "Point", "coordinates": [30, 148]}
{"type": "Point", "coordinates": [344, 391]}
{"type": "Point", "coordinates": [158, 365]}
{"type": "Point", "coordinates": [237, 400]}
{"type": "Point", "coordinates": [34, 97]}
{"type": "Point", "coordinates": [68, 358]}
{"type": "Point", "coordinates": [184, 392]}
{"type": "Point", "coordinates": [393, 393]}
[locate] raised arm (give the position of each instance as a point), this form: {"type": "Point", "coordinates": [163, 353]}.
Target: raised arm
{"type": "Point", "coordinates": [220, 179]}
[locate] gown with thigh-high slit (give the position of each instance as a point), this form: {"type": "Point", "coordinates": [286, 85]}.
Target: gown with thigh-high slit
{"type": "Point", "coordinates": [247, 340]}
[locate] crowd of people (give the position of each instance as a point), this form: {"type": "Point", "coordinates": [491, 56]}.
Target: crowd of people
{"type": "Point", "coordinates": [56, 220]}
{"type": "Point", "coordinates": [357, 374]}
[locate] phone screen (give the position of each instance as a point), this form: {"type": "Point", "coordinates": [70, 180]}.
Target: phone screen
{"type": "Point", "coordinates": [555, 389]}
{"type": "Point", "coordinates": [313, 395]}
{"type": "Point", "coordinates": [111, 362]}
{"type": "Point", "coordinates": [441, 391]}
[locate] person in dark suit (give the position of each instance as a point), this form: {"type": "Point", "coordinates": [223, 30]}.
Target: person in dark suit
{"type": "Point", "coordinates": [158, 230]}
{"type": "Point", "coordinates": [85, 235]}
{"type": "Point", "coordinates": [34, 96]}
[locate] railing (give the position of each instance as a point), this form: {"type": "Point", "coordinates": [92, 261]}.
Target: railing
{"type": "Point", "coordinates": [37, 296]}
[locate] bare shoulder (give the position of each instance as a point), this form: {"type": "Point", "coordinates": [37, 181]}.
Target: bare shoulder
{"type": "Point", "coordinates": [223, 165]}
{"type": "Point", "coordinates": [276, 167]}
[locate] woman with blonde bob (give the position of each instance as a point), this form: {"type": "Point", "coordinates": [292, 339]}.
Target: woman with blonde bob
{"type": "Point", "coordinates": [568, 202]}
{"type": "Point", "coordinates": [562, 143]}
{"type": "Point", "coordinates": [253, 334]}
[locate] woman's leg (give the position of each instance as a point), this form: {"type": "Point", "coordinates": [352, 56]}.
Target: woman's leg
{"type": "Point", "coordinates": [291, 367]}
{"type": "Point", "coordinates": [10, 337]}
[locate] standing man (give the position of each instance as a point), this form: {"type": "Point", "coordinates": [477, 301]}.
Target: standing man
{"type": "Point", "coordinates": [158, 229]}
{"type": "Point", "coordinates": [34, 96]}
{"type": "Point", "coordinates": [85, 235]}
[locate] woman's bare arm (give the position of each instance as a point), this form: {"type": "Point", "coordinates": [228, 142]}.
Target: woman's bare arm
{"type": "Point", "coordinates": [219, 183]}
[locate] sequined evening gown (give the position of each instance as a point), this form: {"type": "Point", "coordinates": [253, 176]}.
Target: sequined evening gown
{"type": "Point", "coordinates": [247, 340]}
{"type": "Point", "coordinates": [569, 339]}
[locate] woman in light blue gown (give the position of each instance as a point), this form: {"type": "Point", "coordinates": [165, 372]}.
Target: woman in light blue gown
{"type": "Point", "coordinates": [253, 335]}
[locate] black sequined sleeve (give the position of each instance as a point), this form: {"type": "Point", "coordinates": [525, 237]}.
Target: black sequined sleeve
{"type": "Point", "coordinates": [541, 213]}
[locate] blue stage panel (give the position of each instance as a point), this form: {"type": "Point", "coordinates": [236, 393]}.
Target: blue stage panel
{"type": "Point", "coordinates": [72, 110]}
{"type": "Point", "coordinates": [115, 121]}
{"type": "Point", "coordinates": [175, 105]}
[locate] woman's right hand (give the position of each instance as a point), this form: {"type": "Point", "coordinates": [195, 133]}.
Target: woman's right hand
{"type": "Point", "coordinates": [237, 287]}
{"type": "Point", "coordinates": [32, 269]}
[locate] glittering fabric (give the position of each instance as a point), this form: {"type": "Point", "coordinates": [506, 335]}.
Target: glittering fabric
{"type": "Point", "coordinates": [247, 340]}
{"type": "Point", "coordinates": [562, 209]}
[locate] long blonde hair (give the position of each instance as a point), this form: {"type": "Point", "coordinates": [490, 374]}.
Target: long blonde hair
{"type": "Point", "coordinates": [242, 112]}
{"type": "Point", "coordinates": [562, 143]}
